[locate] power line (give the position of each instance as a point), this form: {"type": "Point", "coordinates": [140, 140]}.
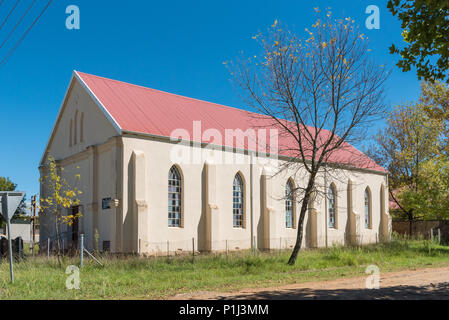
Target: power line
{"type": "Point", "coordinates": [9, 14]}
{"type": "Point", "coordinates": [26, 33]}
{"type": "Point", "coordinates": [18, 23]}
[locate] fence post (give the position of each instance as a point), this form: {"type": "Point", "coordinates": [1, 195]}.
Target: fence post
{"type": "Point", "coordinates": [81, 250]}
{"type": "Point", "coordinates": [193, 249]}
{"type": "Point", "coordinates": [439, 236]}
{"type": "Point", "coordinates": [431, 234]}
{"type": "Point", "coordinates": [168, 248]}
{"type": "Point", "coordinates": [48, 248]}
{"type": "Point", "coordinates": [254, 244]}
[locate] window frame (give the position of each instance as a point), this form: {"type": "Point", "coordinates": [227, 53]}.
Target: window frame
{"type": "Point", "coordinates": [290, 201]}
{"type": "Point", "coordinates": [176, 182]}
{"type": "Point", "coordinates": [71, 133]}
{"type": "Point", "coordinates": [82, 127]}
{"type": "Point", "coordinates": [332, 190]}
{"type": "Point", "coordinates": [368, 208]}
{"type": "Point", "coordinates": [239, 217]}
{"type": "Point", "coordinates": [75, 141]}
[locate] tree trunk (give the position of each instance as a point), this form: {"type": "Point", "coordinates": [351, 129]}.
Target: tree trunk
{"type": "Point", "coordinates": [58, 245]}
{"type": "Point", "coordinates": [304, 207]}
{"type": "Point", "coordinates": [410, 219]}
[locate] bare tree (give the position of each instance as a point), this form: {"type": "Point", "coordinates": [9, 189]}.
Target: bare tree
{"type": "Point", "coordinates": [321, 92]}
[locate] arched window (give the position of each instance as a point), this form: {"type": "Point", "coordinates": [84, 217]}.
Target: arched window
{"type": "Point", "coordinates": [71, 130]}
{"type": "Point", "coordinates": [332, 207]}
{"type": "Point", "coordinates": [76, 128]}
{"type": "Point", "coordinates": [367, 208]}
{"type": "Point", "coordinates": [174, 197]}
{"type": "Point", "coordinates": [289, 205]}
{"type": "Point", "coordinates": [82, 127]}
{"type": "Point", "coordinates": [237, 209]}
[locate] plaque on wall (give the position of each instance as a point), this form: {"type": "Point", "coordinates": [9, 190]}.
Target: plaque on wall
{"type": "Point", "coordinates": [106, 203]}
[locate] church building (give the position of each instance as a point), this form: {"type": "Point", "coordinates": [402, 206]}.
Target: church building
{"type": "Point", "coordinates": [162, 173]}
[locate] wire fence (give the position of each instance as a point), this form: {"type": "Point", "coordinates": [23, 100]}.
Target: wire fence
{"type": "Point", "coordinates": [66, 243]}
{"type": "Point", "coordinates": [434, 235]}
{"type": "Point", "coordinates": [69, 244]}
{"type": "Point", "coordinates": [195, 245]}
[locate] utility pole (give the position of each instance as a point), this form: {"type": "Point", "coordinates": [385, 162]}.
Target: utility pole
{"type": "Point", "coordinates": [33, 219]}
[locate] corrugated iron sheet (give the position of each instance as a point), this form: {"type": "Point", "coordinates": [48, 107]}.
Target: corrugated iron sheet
{"type": "Point", "coordinates": [144, 110]}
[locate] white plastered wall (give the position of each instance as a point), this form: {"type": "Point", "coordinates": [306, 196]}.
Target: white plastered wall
{"type": "Point", "coordinates": [94, 158]}
{"type": "Point", "coordinates": [160, 237]}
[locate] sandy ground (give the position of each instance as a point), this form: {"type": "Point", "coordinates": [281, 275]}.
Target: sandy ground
{"type": "Point", "coordinates": [432, 283]}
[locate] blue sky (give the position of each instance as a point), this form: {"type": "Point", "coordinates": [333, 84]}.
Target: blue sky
{"type": "Point", "coordinates": [175, 46]}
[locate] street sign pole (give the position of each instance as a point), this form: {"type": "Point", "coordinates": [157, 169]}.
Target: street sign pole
{"type": "Point", "coordinates": [10, 201]}
{"type": "Point", "coordinates": [11, 268]}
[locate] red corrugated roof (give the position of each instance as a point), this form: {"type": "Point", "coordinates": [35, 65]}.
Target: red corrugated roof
{"type": "Point", "coordinates": [144, 110]}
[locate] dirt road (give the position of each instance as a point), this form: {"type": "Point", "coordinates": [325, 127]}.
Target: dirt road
{"type": "Point", "coordinates": [432, 283]}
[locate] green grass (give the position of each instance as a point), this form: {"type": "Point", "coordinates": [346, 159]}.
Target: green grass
{"type": "Point", "coordinates": [140, 278]}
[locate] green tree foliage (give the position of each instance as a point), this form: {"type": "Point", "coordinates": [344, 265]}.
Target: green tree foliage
{"type": "Point", "coordinates": [425, 30]}
{"type": "Point", "coordinates": [6, 184]}
{"type": "Point", "coordinates": [435, 98]}
{"type": "Point", "coordinates": [431, 200]}
{"type": "Point", "coordinates": [411, 148]}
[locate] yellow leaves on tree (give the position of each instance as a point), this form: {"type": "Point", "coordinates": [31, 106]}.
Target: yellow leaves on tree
{"type": "Point", "coordinates": [60, 195]}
